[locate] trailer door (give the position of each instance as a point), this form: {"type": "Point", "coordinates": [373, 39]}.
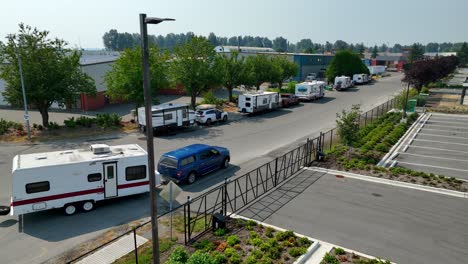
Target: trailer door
{"type": "Point", "coordinates": [180, 117]}
{"type": "Point", "coordinates": [110, 180]}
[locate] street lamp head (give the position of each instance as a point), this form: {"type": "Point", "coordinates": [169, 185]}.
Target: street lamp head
{"type": "Point", "coordinates": [157, 20]}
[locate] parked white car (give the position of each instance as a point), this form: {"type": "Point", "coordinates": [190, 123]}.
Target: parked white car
{"type": "Point", "coordinates": [207, 114]}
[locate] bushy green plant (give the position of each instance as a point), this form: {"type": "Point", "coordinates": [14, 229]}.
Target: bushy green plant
{"type": "Point", "coordinates": [205, 245]}
{"type": "Point", "coordinates": [6, 125]}
{"type": "Point", "coordinates": [251, 260]}
{"type": "Point", "coordinates": [218, 258]}
{"type": "Point", "coordinates": [235, 259]}
{"type": "Point", "coordinates": [232, 240]}
{"type": "Point", "coordinates": [265, 260]}
{"type": "Point", "coordinates": [108, 120]}
{"type": "Point", "coordinates": [85, 121]}
{"type": "Point", "coordinates": [179, 255]}
{"type": "Point", "coordinates": [339, 251]}
{"type": "Point", "coordinates": [199, 257]}
{"type": "Point", "coordinates": [281, 236]}
{"type": "Point", "coordinates": [220, 232]}
{"type": "Point", "coordinates": [251, 223]}
{"type": "Point", "coordinates": [229, 252]}
{"type": "Point", "coordinates": [210, 98]}
{"type": "Point", "coordinates": [297, 251]}
{"type": "Point", "coordinates": [269, 231]}
{"type": "Point", "coordinates": [257, 253]}
{"type": "Point", "coordinates": [53, 125]}
{"type": "Point", "coordinates": [348, 125]}
{"type": "Point", "coordinates": [257, 241]}
{"type": "Point", "coordinates": [425, 90]}
{"type": "Point", "coordinates": [304, 242]}
{"type": "Point", "coordinates": [329, 259]}
{"type": "Point", "coordinates": [70, 122]}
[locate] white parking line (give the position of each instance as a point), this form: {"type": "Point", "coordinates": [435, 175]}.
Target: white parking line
{"type": "Point", "coordinates": [433, 157]}
{"type": "Point", "coordinates": [441, 130]}
{"type": "Point", "coordinates": [434, 141]}
{"type": "Point", "coordinates": [434, 135]}
{"type": "Point", "coordinates": [450, 150]}
{"type": "Point", "coordinates": [448, 126]}
{"type": "Point", "coordinates": [431, 166]}
{"type": "Point", "coordinates": [446, 122]}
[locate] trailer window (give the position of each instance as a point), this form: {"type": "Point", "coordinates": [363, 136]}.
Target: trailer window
{"type": "Point", "coordinates": [247, 104]}
{"type": "Point", "coordinates": [37, 187]}
{"type": "Point", "coordinates": [135, 173]}
{"type": "Point", "coordinates": [247, 98]}
{"type": "Point", "coordinates": [93, 177]}
{"type": "Point", "coordinates": [168, 116]}
{"type": "Point", "coordinates": [265, 100]}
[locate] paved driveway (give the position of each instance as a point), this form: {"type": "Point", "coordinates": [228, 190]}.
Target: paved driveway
{"type": "Point", "coordinates": [252, 142]}
{"type": "Point", "coordinates": [403, 225]}
{"type": "Point", "coordinates": [441, 147]}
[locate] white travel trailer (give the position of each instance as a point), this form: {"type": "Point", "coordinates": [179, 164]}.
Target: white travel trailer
{"type": "Point", "coordinates": [167, 116]}
{"type": "Point", "coordinates": [376, 70]}
{"type": "Point", "coordinates": [258, 102]}
{"type": "Point", "coordinates": [310, 90]}
{"type": "Point", "coordinates": [360, 78]}
{"type": "Point", "coordinates": [342, 83]}
{"type": "Point", "coordinates": [76, 179]}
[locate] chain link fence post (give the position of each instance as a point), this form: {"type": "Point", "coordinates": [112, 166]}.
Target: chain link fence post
{"type": "Point", "coordinates": [135, 244]}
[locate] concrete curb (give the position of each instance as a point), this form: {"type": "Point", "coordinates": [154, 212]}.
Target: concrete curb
{"type": "Point", "coordinates": [392, 182]}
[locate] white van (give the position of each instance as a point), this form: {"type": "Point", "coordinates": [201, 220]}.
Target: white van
{"type": "Point", "coordinates": [308, 91]}
{"type": "Point", "coordinates": [360, 78]}
{"type": "Point", "coordinates": [342, 83]}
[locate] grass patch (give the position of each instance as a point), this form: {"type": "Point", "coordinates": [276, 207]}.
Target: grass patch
{"type": "Point", "coordinates": [178, 224]}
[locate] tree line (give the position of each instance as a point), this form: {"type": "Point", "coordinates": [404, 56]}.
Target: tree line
{"type": "Point", "coordinates": [118, 41]}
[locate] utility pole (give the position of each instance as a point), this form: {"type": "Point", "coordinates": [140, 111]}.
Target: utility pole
{"type": "Point", "coordinates": [26, 114]}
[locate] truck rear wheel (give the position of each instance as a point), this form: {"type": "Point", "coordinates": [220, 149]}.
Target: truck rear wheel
{"type": "Point", "coordinates": [69, 209]}
{"type": "Point", "coordinates": [191, 178]}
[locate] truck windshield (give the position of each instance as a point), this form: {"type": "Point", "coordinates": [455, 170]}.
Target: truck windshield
{"type": "Point", "coordinates": [168, 162]}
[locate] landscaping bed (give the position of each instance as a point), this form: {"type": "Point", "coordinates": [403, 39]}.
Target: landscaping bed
{"type": "Point", "coordinates": [241, 242]}
{"type": "Point", "coordinates": [339, 255]}
{"type": "Point", "coordinates": [372, 142]}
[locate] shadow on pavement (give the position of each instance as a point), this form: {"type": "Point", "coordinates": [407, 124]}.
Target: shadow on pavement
{"type": "Point", "coordinates": [274, 201]}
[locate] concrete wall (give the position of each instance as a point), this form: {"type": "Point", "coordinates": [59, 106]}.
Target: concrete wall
{"type": "Point", "coordinates": [97, 71]}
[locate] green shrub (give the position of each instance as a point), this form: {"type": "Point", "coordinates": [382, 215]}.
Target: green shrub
{"type": "Point", "coordinates": [425, 90]}
{"type": "Point", "coordinates": [253, 234]}
{"type": "Point", "coordinates": [329, 259]}
{"type": "Point", "coordinates": [232, 240]}
{"type": "Point", "coordinates": [251, 223]}
{"type": "Point", "coordinates": [251, 260]}
{"type": "Point", "coordinates": [70, 122]}
{"type": "Point", "coordinates": [53, 125]}
{"type": "Point", "coordinates": [269, 231]}
{"type": "Point", "coordinates": [210, 98]}
{"type": "Point", "coordinates": [229, 252]}
{"type": "Point", "coordinates": [297, 251]}
{"type": "Point", "coordinates": [218, 258]}
{"type": "Point", "coordinates": [381, 147]}
{"type": "Point", "coordinates": [179, 255]}
{"type": "Point", "coordinates": [108, 120]}
{"type": "Point", "coordinates": [257, 254]}
{"type": "Point", "coordinates": [281, 236]}
{"type": "Point", "coordinates": [265, 260]}
{"type": "Point", "coordinates": [339, 251]}
{"type": "Point", "coordinates": [257, 242]}
{"type": "Point", "coordinates": [304, 242]}
{"type": "Point", "coordinates": [273, 253]}
{"type": "Point", "coordinates": [292, 87]}
{"type": "Point", "coordinates": [200, 257]}
{"type": "Point", "coordinates": [235, 259]}
{"type": "Point", "coordinates": [220, 232]}
{"type": "Point", "coordinates": [205, 245]}
{"type": "Point", "coordinates": [34, 125]}
{"type": "Point", "coordinates": [85, 121]}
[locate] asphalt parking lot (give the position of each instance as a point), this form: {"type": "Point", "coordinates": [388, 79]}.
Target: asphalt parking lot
{"type": "Point", "coordinates": [440, 147]}
{"type": "Point", "coordinates": [401, 224]}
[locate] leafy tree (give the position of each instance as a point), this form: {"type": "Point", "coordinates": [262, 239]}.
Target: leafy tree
{"type": "Point", "coordinates": [212, 39]}
{"type": "Point", "coordinates": [348, 124]}
{"type": "Point", "coordinates": [259, 69]}
{"type": "Point", "coordinates": [345, 63]}
{"type": "Point", "coordinates": [416, 52]}
{"type": "Point", "coordinates": [361, 49]}
{"type": "Point", "coordinates": [194, 66]}
{"type": "Point", "coordinates": [375, 52]}
{"type": "Point", "coordinates": [51, 71]}
{"type": "Point", "coordinates": [125, 80]}
{"type": "Point", "coordinates": [383, 48]}
{"type": "Point", "coordinates": [397, 48]}
{"type": "Point", "coordinates": [282, 69]}
{"type": "Point", "coordinates": [423, 72]}
{"type": "Point", "coordinates": [280, 44]}
{"type": "Point", "coordinates": [340, 45]}
{"type": "Point", "coordinates": [232, 71]}
{"type": "Point", "coordinates": [463, 54]}
{"type": "Point", "coordinates": [432, 47]}
{"type": "Point", "coordinates": [328, 46]}
{"type": "Point", "coordinates": [305, 45]}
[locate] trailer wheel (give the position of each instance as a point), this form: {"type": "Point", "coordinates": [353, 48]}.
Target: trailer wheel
{"type": "Point", "coordinates": [225, 118]}
{"type": "Point", "coordinates": [88, 206]}
{"type": "Point", "coordinates": [4, 210]}
{"type": "Point", "coordinates": [208, 121]}
{"type": "Point", "coordinates": [69, 209]}
{"type": "Point", "coordinates": [244, 111]}
{"type": "Point", "coordinates": [192, 177]}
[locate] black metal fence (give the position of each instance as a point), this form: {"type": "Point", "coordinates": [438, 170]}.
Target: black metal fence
{"type": "Point", "coordinates": [236, 194]}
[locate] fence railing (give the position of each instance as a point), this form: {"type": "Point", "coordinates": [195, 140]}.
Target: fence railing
{"type": "Point", "coordinates": [236, 194]}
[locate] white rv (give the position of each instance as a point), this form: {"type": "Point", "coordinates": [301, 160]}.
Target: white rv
{"type": "Point", "coordinates": [310, 90]}
{"type": "Point", "coordinates": [377, 70]}
{"type": "Point", "coordinates": [360, 78]}
{"type": "Point", "coordinates": [76, 179]}
{"type": "Point", "coordinates": [167, 116]}
{"type": "Point", "coordinates": [342, 83]}
{"type": "Point", "coordinates": [258, 102]}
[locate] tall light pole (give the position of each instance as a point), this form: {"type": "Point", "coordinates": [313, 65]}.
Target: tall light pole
{"type": "Point", "coordinates": [26, 114]}
{"type": "Point", "coordinates": [149, 127]}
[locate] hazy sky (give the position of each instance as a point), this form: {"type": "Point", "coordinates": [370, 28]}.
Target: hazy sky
{"type": "Point", "coordinates": [83, 22]}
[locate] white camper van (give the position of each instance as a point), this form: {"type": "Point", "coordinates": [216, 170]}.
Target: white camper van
{"type": "Point", "coordinates": [377, 70]}
{"type": "Point", "coordinates": [258, 102]}
{"type": "Point", "coordinates": [342, 83]}
{"type": "Point", "coordinates": [308, 91]}
{"type": "Point", "coordinates": [360, 78]}
{"type": "Point", "coordinates": [167, 116]}
{"type": "Point", "coordinates": [76, 179]}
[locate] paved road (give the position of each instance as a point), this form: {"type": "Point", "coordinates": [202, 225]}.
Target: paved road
{"type": "Point", "coordinates": [252, 141]}
{"type": "Point", "coordinates": [403, 225]}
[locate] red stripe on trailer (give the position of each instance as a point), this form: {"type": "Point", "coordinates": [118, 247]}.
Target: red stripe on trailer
{"type": "Point", "coordinates": [130, 185]}
{"type": "Point", "coordinates": [55, 197]}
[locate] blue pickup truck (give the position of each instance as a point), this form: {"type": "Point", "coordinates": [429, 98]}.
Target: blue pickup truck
{"type": "Point", "coordinates": [188, 163]}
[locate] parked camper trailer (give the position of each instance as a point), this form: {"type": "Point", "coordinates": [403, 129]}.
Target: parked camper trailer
{"type": "Point", "coordinates": [308, 91]}
{"type": "Point", "coordinates": [76, 179]}
{"type": "Point", "coordinates": [360, 78]}
{"type": "Point", "coordinates": [258, 102]}
{"type": "Point", "coordinates": [168, 116]}
{"type": "Point", "coordinates": [376, 70]}
{"type": "Point", "coordinates": [342, 83]}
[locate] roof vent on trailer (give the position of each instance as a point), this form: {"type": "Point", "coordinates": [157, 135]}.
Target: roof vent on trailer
{"type": "Point", "coordinates": [100, 148]}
